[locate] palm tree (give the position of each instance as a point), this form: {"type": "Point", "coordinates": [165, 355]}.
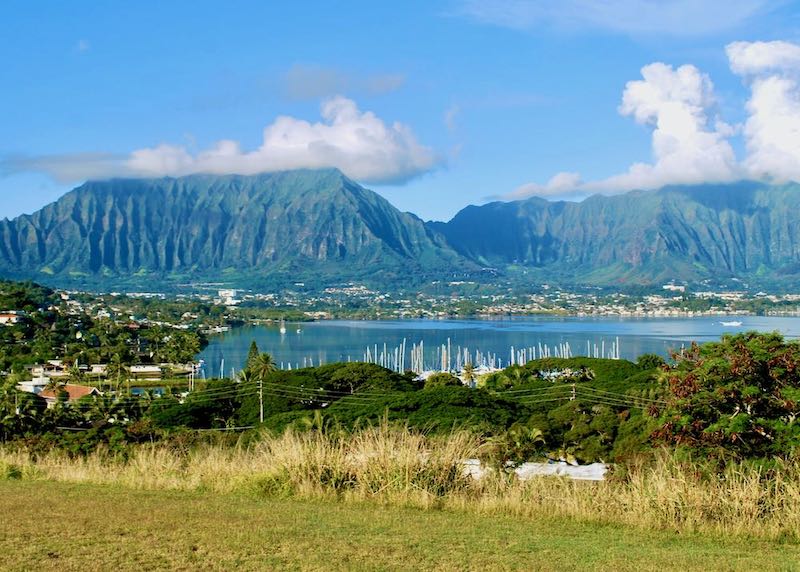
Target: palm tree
{"type": "Point", "coordinates": [509, 378]}
{"type": "Point", "coordinates": [263, 366]}
{"type": "Point", "coordinates": [469, 373]}
{"type": "Point", "coordinates": [245, 376]}
{"type": "Point", "coordinates": [116, 370]}
{"type": "Point", "coordinates": [54, 384]}
{"type": "Point", "coordinates": [261, 369]}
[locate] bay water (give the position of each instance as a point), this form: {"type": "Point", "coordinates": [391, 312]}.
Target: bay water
{"type": "Point", "coordinates": [314, 343]}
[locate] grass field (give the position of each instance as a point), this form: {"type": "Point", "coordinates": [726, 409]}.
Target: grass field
{"type": "Point", "coordinates": [59, 526]}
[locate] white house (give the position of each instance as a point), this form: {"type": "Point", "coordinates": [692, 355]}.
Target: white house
{"type": "Point", "coordinates": [11, 317]}
{"type": "Point", "coordinates": [35, 385]}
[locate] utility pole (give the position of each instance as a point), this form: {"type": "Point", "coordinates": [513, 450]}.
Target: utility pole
{"type": "Point", "coordinates": [261, 400]}
{"type": "Point", "coordinates": [572, 394]}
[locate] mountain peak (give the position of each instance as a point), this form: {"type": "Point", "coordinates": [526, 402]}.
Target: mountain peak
{"type": "Point", "coordinates": [287, 223]}
{"type": "Point", "coordinates": [317, 225]}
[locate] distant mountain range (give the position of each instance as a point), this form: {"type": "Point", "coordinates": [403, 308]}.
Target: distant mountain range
{"type": "Point", "coordinates": [305, 225]}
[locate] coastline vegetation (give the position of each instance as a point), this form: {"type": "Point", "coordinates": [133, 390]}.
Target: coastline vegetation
{"type": "Point", "coordinates": [705, 442]}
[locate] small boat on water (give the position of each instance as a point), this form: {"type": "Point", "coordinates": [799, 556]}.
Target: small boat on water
{"type": "Point", "coordinates": [283, 327]}
{"type": "Point", "coordinates": [732, 324]}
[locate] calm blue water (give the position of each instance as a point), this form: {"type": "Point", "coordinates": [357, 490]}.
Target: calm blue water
{"type": "Point", "coordinates": [336, 340]}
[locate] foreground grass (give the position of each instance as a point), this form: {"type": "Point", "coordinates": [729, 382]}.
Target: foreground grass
{"type": "Point", "coordinates": [402, 468]}
{"type": "Point", "coordinates": [58, 526]}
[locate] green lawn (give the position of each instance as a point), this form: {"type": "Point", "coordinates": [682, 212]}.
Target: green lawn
{"type": "Point", "coordinates": [56, 526]}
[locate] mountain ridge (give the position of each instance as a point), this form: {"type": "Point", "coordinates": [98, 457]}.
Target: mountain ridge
{"type": "Point", "coordinates": [267, 224]}
{"type": "Point", "coordinates": [678, 232]}
{"type": "Point", "coordinates": [319, 225]}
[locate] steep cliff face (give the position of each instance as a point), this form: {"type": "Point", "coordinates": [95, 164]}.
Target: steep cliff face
{"type": "Point", "coordinates": [201, 224]}
{"type": "Point", "coordinates": [321, 225]}
{"type": "Point", "coordinates": [677, 232]}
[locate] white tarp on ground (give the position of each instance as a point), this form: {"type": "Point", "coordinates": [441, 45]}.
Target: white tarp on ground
{"type": "Point", "coordinates": [593, 472]}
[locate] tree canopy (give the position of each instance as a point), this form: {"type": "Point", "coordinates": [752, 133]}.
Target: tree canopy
{"type": "Point", "coordinates": [740, 395]}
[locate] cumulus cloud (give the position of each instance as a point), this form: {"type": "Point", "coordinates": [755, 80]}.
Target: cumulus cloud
{"type": "Point", "coordinates": [772, 129]}
{"type": "Point", "coordinates": [753, 58]}
{"type": "Point", "coordinates": [358, 142]}
{"type": "Point", "coordinates": [689, 145]}
{"type": "Point", "coordinates": [634, 17]}
{"type": "Point", "coordinates": [303, 82]}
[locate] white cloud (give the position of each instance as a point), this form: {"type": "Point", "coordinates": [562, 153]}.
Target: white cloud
{"type": "Point", "coordinates": [304, 82]}
{"type": "Point", "coordinates": [686, 147]}
{"type": "Point", "coordinates": [83, 46]}
{"type": "Point", "coordinates": [358, 142]}
{"type": "Point", "coordinates": [635, 17]}
{"type": "Point", "coordinates": [562, 185]}
{"type": "Point", "coordinates": [755, 58]}
{"type": "Point", "coordinates": [772, 130]}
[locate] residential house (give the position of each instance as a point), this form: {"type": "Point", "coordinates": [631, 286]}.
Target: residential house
{"type": "Point", "coordinates": [74, 393]}
{"type": "Point", "coordinates": [35, 385]}
{"type": "Point", "coordinates": [10, 317]}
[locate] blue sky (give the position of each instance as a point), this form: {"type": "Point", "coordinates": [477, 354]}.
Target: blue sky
{"type": "Point", "coordinates": [435, 105]}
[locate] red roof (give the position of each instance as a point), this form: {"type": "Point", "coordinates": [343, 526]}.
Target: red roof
{"type": "Point", "coordinates": [74, 391]}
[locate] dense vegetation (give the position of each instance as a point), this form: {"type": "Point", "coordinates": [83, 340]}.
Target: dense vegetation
{"type": "Point", "coordinates": [72, 328]}
{"type": "Point", "coordinates": [735, 399]}
{"type": "Point", "coordinates": [732, 399]}
{"type": "Point", "coordinates": [317, 227]}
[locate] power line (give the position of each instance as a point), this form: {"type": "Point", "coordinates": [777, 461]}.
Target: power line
{"type": "Point", "coordinates": [616, 394]}
{"type": "Point", "coordinates": [522, 392]}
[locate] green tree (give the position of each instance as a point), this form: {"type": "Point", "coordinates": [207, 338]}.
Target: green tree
{"type": "Point", "coordinates": [246, 376]}
{"type": "Point", "coordinates": [441, 379]}
{"type": "Point", "coordinates": [469, 373]}
{"type": "Point", "coordinates": [519, 443]}
{"type": "Point", "coordinates": [76, 375]}
{"type": "Point", "coordinates": [650, 361]}
{"type": "Point", "coordinates": [117, 371]}
{"type": "Point", "coordinates": [252, 355]}
{"type": "Point", "coordinates": [55, 384]}
{"type": "Point", "coordinates": [263, 366]}
{"type": "Point", "coordinates": [740, 395]}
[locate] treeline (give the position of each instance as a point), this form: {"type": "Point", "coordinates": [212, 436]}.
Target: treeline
{"type": "Point", "coordinates": [77, 330]}
{"type": "Point", "coordinates": [735, 399]}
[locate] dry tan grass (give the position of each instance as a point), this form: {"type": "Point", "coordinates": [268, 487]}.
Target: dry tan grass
{"type": "Point", "coordinates": [405, 468]}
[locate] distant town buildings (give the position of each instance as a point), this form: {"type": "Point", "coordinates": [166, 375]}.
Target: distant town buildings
{"type": "Point", "coordinates": [227, 297]}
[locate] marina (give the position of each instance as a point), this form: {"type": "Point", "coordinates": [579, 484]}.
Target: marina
{"type": "Point", "coordinates": [486, 344]}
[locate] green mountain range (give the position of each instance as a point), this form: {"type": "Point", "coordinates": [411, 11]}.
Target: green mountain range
{"type": "Point", "coordinates": [320, 226]}
{"type": "Point", "coordinates": [273, 228]}
{"type": "Point", "coordinates": [747, 230]}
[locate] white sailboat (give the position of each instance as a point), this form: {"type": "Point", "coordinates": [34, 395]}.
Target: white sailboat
{"type": "Point", "coordinates": [283, 327]}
